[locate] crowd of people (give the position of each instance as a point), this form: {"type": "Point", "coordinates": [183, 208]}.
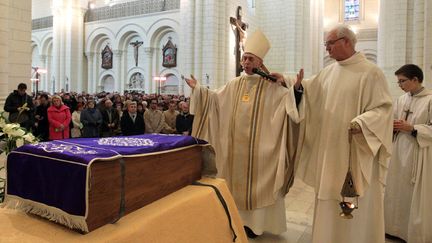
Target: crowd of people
{"type": "Point", "coordinates": [73, 115]}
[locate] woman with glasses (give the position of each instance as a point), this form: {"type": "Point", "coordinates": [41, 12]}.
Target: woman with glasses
{"type": "Point", "coordinates": [408, 214]}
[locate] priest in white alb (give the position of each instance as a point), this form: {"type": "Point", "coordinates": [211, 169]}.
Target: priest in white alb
{"type": "Point", "coordinates": [352, 93]}
{"type": "Point", "coordinates": [247, 122]}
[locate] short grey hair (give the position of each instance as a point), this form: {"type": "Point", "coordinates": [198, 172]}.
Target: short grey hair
{"type": "Point", "coordinates": [343, 30]}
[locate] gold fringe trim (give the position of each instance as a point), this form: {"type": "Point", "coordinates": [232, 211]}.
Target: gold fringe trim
{"type": "Point", "coordinates": [45, 211]}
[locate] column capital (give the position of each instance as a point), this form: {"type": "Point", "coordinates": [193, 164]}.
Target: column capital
{"type": "Point", "coordinates": [118, 53]}
{"type": "Point", "coordinates": [42, 57]}
{"type": "Point", "coordinates": [149, 50]}
{"type": "Point", "coordinates": [89, 54]}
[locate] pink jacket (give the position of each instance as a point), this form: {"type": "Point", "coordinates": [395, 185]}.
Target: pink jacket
{"type": "Point", "coordinates": [56, 117]}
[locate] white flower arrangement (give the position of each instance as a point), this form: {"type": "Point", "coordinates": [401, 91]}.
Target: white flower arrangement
{"type": "Point", "coordinates": [12, 136]}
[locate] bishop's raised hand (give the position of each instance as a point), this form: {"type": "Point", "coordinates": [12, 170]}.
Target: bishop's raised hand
{"type": "Point", "coordinates": [191, 81]}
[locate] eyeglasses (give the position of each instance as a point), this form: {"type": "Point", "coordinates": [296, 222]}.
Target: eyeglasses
{"type": "Point", "coordinates": [332, 42]}
{"type": "Point", "coordinates": [400, 81]}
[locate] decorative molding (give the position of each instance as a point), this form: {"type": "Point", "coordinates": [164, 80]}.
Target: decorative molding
{"type": "Point", "coordinates": [149, 50]}
{"type": "Point", "coordinates": [367, 34]}
{"type": "Point", "coordinates": [42, 23]}
{"type": "Point", "coordinates": [131, 9]}
{"type": "Point", "coordinates": [89, 54]}
{"type": "Point", "coordinates": [118, 53]}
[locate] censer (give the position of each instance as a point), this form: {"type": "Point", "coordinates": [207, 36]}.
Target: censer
{"type": "Point", "coordinates": [349, 192]}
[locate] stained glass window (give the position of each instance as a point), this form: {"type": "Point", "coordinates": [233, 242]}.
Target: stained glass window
{"type": "Point", "coordinates": [352, 10]}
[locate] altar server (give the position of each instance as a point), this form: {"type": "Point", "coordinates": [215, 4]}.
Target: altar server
{"type": "Point", "coordinates": [408, 214]}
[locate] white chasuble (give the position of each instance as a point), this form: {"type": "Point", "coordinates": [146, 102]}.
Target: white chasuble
{"type": "Point", "coordinates": [352, 90]}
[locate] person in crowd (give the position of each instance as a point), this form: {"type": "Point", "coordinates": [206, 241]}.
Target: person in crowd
{"type": "Point", "coordinates": [41, 118]}
{"type": "Point", "coordinates": [111, 120]}
{"type": "Point", "coordinates": [408, 214]}
{"type": "Point", "coordinates": [20, 107]}
{"type": "Point", "coordinates": [144, 103]}
{"type": "Point", "coordinates": [131, 123]}
{"type": "Point", "coordinates": [119, 108]}
{"type": "Point", "coordinates": [91, 118]}
{"type": "Point", "coordinates": [246, 121]}
{"type": "Point", "coordinates": [347, 111]}
{"type": "Point", "coordinates": [59, 117]}
{"type": "Point", "coordinates": [140, 109]}
{"type": "Point", "coordinates": [170, 117]}
{"type": "Point", "coordinates": [184, 120]}
{"type": "Point", "coordinates": [76, 121]}
{"type": "Point", "coordinates": [153, 118]}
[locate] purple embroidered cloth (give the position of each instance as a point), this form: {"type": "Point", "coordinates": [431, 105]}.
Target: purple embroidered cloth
{"type": "Point", "coordinates": [55, 173]}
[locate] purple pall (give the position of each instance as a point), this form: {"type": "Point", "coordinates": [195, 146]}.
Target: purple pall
{"type": "Point", "coordinates": [52, 178]}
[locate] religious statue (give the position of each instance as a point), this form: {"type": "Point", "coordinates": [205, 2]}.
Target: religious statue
{"type": "Point", "coordinates": [136, 45]}
{"type": "Point", "coordinates": [107, 57]}
{"type": "Point", "coordinates": [239, 28]}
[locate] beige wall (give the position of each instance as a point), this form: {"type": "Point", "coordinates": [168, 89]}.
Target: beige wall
{"type": "Point", "coordinates": [41, 8]}
{"type": "Point", "coordinates": [333, 14]}
{"type": "Point", "coordinates": [15, 49]}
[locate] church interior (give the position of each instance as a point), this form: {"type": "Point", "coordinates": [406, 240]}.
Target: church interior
{"type": "Point", "coordinates": [150, 46]}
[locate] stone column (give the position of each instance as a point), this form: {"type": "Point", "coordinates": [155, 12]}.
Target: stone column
{"type": "Point", "coordinates": [149, 85]}
{"type": "Point", "coordinates": [117, 66]}
{"type": "Point", "coordinates": [90, 69]}
{"type": "Point", "coordinates": [15, 46]}
{"type": "Point", "coordinates": [68, 42]}
{"type": "Point", "coordinates": [42, 76]}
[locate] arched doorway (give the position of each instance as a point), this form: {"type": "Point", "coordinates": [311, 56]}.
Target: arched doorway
{"type": "Point", "coordinates": [171, 85]}
{"type": "Point", "coordinates": [108, 83]}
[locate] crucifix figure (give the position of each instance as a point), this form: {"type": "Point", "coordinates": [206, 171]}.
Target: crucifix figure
{"type": "Point", "coordinates": [136, 45]}
{"type": "Point", "coordinates": [239, 28]}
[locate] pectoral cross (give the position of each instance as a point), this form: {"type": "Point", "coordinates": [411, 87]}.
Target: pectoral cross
{"type": "Point", "coordinates": [407, 113]}
{"type": "Point", "coordinates": [240, 34]}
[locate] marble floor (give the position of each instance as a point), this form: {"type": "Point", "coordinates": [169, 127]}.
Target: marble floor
{"type": "Point", "coordinates": [299, 205]}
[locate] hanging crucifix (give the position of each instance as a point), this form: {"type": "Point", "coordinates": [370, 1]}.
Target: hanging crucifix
{"type": "Point", "coordinates": [136, 45]}
{"type": "Point", "coordinates": [239, 27]}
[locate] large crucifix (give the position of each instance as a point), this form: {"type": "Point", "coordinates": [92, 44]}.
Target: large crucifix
{"type": "Point", "coordinates": [136, 45]}
{"type": "Point", "coordinates": [239, 28]}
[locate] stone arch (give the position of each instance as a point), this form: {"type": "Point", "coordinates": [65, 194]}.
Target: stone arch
{"type": "Point", "coordinates": [137, 86]}
{"type": "Point", "coordinates": [101, 78]}
{"type": "Point", "coordinates": [46, 44]}
{"type": "Point", "coordinates": [126, 33]}
{"type": "Point", "coordinates": [172, 83]}
{"type": "Point", "coordinates": [107, 83]}
{"type": "Point", "coordinates": [161, 27]}
{"type": "Point", "coordinates": [96, 35]}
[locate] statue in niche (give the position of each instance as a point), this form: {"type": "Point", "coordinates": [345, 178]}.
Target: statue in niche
{"type": "Point", "coordinates": [169, 54]}
{"type": "Point", "coordinates": [107, 58]}
{"type": "Point", "coordinates": [136, 45]}
{"type": "Point", "coordinates": [136, 81]}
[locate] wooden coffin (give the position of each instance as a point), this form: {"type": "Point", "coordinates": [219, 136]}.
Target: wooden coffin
{"type": "Point", "coordinates": [147, 179]}
{"type": "Point", "coordinates": [85, 183]}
